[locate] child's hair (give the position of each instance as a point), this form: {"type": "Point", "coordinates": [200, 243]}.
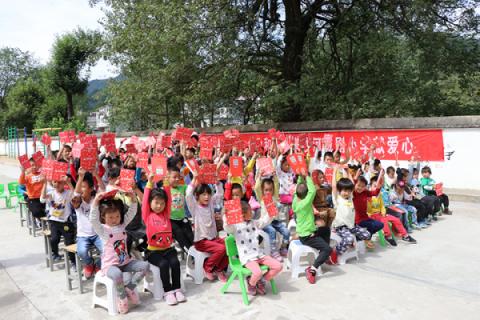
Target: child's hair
{"type": "Point", "coordinates": [88, 178]}
{"type": "Point", "coordinates": [237, 186]}
{"type": "Point", "coordinates": [67, 147]}
{"type": "Point", "coordinates": [111, 205]}
{"type": "Point", "coordinates": [415, 171]}
{"type": "Point", "coordinates": [302, 190]}
{"type": "Point", "coordinates": [202, 188]}
{"type": "Point", "coordinates": [173, 169]}
{"type": "Point", "coordinates": [376, 163]}
{"type": "Point", "coordinates": [390, 170]}
{"type": "Point", "coordinates": [114, 163]}
{"type": "Point", "coordinates": [338, 153]}
{"type": "Point", "coordinates": [159, 194]}
{"type": "Point", "coordinates": [173, 161]}
{"type": "Point", "coordinates": [426, 170]}
{"type": "Point", "coordinates": [267, 181]}
{"type": "Point", "coordinates": [192, 150]}
{"type": "Point", "coordinates": [114, 173]}
{"type": "Point", "coordinates": [284, 159]}
{"type": "Point", "coordinates": [362, 179]}
{"type": "Point", "coordinates": [345, 184]}
{"type": "Point", "coordinates": [373, 179]}
{"type": "Point", "coordinates": [328, 154]}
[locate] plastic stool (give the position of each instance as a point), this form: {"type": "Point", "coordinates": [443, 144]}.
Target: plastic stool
{"type": "Point", "coordinates": [296, 251]}
{"type": "Point", "coordinates": [194, 264]}
{"type": "Point", "coordinates": [350, 253]}
{"type": "Point", "coordinates": [155, 286]}
{"type": "Point", "coordinates": [110, 301]}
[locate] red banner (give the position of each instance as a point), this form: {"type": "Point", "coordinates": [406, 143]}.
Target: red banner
{"type": "Point", "coordinates": [423, 144]}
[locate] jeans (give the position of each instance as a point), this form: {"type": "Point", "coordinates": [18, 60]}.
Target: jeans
{"type": "Point", "coordinates": [320, 241]}
{"type": "Point", "coordinates": [373, 226]}
{"type": "Point", "coordinates": [277, 226]}
{"type": "Point", "coordinates": [85, 243]}
{"type": "Point", "coordinates": [166, 261]}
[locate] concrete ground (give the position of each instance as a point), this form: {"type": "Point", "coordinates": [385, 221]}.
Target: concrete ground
{"type": "Point", "coordinates": [436, 279]}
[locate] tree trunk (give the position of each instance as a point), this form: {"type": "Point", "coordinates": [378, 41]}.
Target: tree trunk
{"type": "Point", "coordinates": [167, 115]}
{"type": "Point", "coordinates": [69, 105]}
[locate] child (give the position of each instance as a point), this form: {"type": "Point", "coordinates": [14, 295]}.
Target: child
{"type": "Point", "coordinates": [263, 187]}
{"type": "Point", "coordinates": [201, 205]}
{"type": "Point", "coordinates": [344, 223]}
{"type": "Point", "coordinates": [109, 223]}
{"type": "Point", "coordinates": [309, 234]}
{"type": "Point", "coordinates": [249, 252]}
{"type": "Point", "coordinates": [324, 215]}
{"type": "Point", "coordinates": [376, 210]}
{"type": "Point", "coordinates": [182, 229]}
{"type": "Point", "coordinates": [390, 179]}
{"type": "Point", "coordinates": [33, 181]}
{"type": "Point", "coordinates": [399, 198]}
{"type": "Point", "coordinates": [86, 236]}
{"type": "Point", "coordinates": [59, 210]}
{"type": "Point", "coordinates": [156, 213]}
{"type": "Point", "coordinates": [286, 179]}
{"type": "Point", "coordinates": [428, 187]}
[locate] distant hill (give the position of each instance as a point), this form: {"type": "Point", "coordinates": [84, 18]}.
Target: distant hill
{"type": "Point", "coordinates": [94, 92]}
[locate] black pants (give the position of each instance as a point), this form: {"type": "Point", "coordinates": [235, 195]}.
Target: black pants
{"type": "Point", "coordinates": [320, 240]}
{"type": "Point", "coordinates": [182, 232]}
{"type": "Point", "coordinates": [432, 203]}
{"type": "Point", "coordinates": [421, 209]}
{"type": "Point", "coordinates": [444, 200]}
{"type": "Point", "coordinates": [36, 207]}
{"type": "Point", "coordinates": [59, 229]}
{"type": "Point", "coordinates": [166, 260]}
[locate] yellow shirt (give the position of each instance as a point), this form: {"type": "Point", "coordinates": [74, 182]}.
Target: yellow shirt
{"type": "Point", "coordinates": [375, 205]}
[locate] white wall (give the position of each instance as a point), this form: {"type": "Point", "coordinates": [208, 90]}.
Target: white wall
{"type": "Point", "coordinates": [457, 173]}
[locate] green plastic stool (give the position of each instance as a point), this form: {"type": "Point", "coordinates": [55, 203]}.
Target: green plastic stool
{"type": "Point", "coordinates": [240, 272]}
{"type": "Point", "coordinates": [381, 236]}
{"type": "Point", "coordinates": [12, 192]}
{"type": "Point", "coordinates": [3, 195]}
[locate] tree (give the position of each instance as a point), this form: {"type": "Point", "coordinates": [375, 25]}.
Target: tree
{"type": "Point", "coordinates": [14, 65]}
{"type": "Point", "coordinates": [73, 54]}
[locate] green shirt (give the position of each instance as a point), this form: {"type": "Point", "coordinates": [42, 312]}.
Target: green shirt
{"type": "Point", "coordinates": [178, 202]}
{"type": "Point", "coordinates": [427, 186]}
{"type": "Point", "coordinates": [303, 209]}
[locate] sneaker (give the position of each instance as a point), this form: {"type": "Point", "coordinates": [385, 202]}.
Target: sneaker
{"type": "Point", "coordinates": [122, 305]}
{"type": "Point", "coordinates": [434, 218]}
{"type": "Point", "coordinates": [88, 271]}
{"type": "Point", "coordinates": [423, 225]}
{"type": "Point", "coordinates": [56, 257]}
{"type": "Point", "coordinates": [180, 296]}
{"type": "Point", "coordinates": [261, 289]}
{"type": "Point", "coordinates": [133, 296]}
{"type": "Point", "coordinates": [276, 255]}
{"type": "Point", "coordinates": [284, 252]}
{"type": "Point", "coordinates": [170, 298]}
{"type": "Point", "coordinates": [428, 222]}
{"type": "Point", "coordinates": [447, 211]}
{"type": "Point", "coordinates": [73, 268]}
{"type": "Point", "coordinates": [392, 242]}
{"type": "Point", "coordinates": [310, 273]}
{"type": "Point", "coordinates": [252, 290]}
{"type": "Point", "coordinates": [332, 259]}
{"type": "Point", "coordinates": [369, 244]}
{"type": "Point", "coordinates": [221, 276]}
{"type": "Point", "coordinates": [210, 276]}
{"type": "Point", "coordinates": [416, 226]}
{"type": "Point", "coordinates": [409, 239]}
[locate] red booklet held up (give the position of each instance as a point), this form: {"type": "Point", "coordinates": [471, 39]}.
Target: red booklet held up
{"type": "Point", "coordinates": [108, 141]}
{"type": "Point", "coordinates": [38, 158]}
{"type": "Point", "coordinates": [127, 178]}
{"type": "Point", "coordinates": [236, 166]}
{"type": "Point", "coordinates": [223, 172]}
{"type": "Point", "coordinates": [270, 205]}
{"type": "Point", "coordinates": [47, 169]}
{"type": "Point", "coordinates": [110, 194]}
{"type": "Point", "coordinates": [192, 164]}
{"type": "Point", "coordinates": [233, 211]}
{"type": "Point", "coordinates": [142, 160]}
{"type": "Point", "coordinates": [297, 163]}
{"type": "Point", "coordinates": [88, 158]}
{"type": "Point", "coordinates": [59, 170]}
{"type": "Point", "coordinates": [159, 167]}
{"type": "Point", "coordinates": [130, 148]}
{"type": "Point", "coordinates": [77, 149]}
{"type": "Point", "coordinates": [208, 173]}
{"type": "Point", "coordinates": [206, 153]}
{"type": "Point", "coordinates": [329, 175]}
{"type": "Point", "coordinates": [24, 161]}
{"type": "Point", "coordinates": [439, 188]}
{"type": "Point", "coordinates": [46, 139]}
{"type": "Point", "coordinates": [67, 136]}
{"type": "Point", "coordinates": [265, 166]}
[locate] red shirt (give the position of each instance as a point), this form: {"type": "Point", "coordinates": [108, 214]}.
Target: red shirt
{"type": "Point", "coordinates": [360, 203]}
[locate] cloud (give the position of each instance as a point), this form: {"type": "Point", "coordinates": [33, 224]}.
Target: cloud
{"type": "Point", "coordinates": [32, 25]}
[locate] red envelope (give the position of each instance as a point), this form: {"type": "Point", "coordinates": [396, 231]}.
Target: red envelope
{"type": "Point", "coordinates": [206, 153]}
{"type": "Point", "coordinates": [130, 148]}
{"type": "Point", "coordinates": [223, 172]}
{"type": "Point", "coordinates": [297, 163]}
{"type": "Point", "coordinates": [24, 161]}
{"type": "Point", "coordinates": [166, 141]}
{"type": "Point", "coordinates": [81, 135]}
{"type": "Point", "coordinates": [226, 145]}
{"type": "Point", "coordinates": [67, 136]}
{"type": "Point", "coordinates": [46, 139]}
{"type": "Point", "coordinates": [233, 211]}
{"type": "Point", "coordinates": [280, 136]}
{"type": "Point", "coordinates": [240, 145]}
{"type": "Point", "coordinates": [88, 158]}
{"type": "Point", "coordinates": [302, 140]}
{"type": "Point", "coordinates": [76, 150]}
{"type": "Point", "coordinates": [150, 142]}
{"type": "Point", "coordinates": [232, 134]}
{"type": "Point", "coordinates": [329, 175]}
{"type": "Point", "coordinates": [272, 133]}
{"type": "Point", "coordinates": [439, 188]}
{"type": "Point", "coordinates": [38, 158]}
{"type": "Point", "coordinates": [270, 205]}
{"type": "Point", "coordinates": [110, 194]}
{"type": "Point", "coordinates": [127, 177]}
{"type": "Point", "coordinates": [142, 160]}
{"type": "Point", "coordinates": [252, 147]}
{"type": "Point", "coordinates": [182, 134]}
{"type": "Point", "coordinates": [236, 166]}
{"type": "Point", "coordinates": [206, 142]}
{"type": "Point", "coordinates": [284, 147]}
{"type": "Point", "coordinates": [141, 145]}
{"type": "Point", "coordinates": [169, 153]}
{"type": "Point", "coordinates": [208, 173]}
{"type": "Point", "coordinates": [192, 164]}
{"type": "Point", "coordinates": [159, 167]}
{"type": "Point", "coordinates": [47, 169]}
{"type": "Point", "coordinates": [265, 164]}
{"type": "Point", "coordinates": [108, 141]}
{"type": "Point", "coordinates": [59, 170]}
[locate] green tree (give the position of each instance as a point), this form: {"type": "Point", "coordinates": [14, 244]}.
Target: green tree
{"type": "Point", "coordinates": [73, 54]}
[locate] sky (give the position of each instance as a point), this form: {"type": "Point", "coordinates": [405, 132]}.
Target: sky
{"type": "Point", "coordinates": [32, 25]}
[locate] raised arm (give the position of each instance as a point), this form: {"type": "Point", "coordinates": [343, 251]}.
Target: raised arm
{"type": "Point", "coordinates": [146, 196]}
{"type": "Point", "coordinates": [132, 210]}
{"type": "Point", "coordinates": [95, 216]}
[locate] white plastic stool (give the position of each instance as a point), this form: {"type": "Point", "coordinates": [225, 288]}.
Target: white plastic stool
{"type": "Point", "coordinates": [110, 300]}
{"type": "Point", "coordinates": [296, 251]}
{"type": "Point", "coordinates": [155, 286]}
{"type": "Point", "coordinates": [194, 264]}
{"type": "Point", "coordinates": [349, 254]}
{"type": "Point", "coordinates": [361, 247]}
{"type": "Point", "coordinates": [292, 226]}
{"type": "Point", "coordinates": [267, 250]}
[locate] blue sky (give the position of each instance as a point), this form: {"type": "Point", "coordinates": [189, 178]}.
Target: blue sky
{"type": "Point", "coordinates": [32, 25]}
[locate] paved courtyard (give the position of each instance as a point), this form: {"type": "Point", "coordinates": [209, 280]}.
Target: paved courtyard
{"type": "Point", "coordinates": [438, 278]}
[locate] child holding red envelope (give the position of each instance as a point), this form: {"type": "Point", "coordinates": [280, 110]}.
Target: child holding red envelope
{"type": "Point", "coordinates": [200, 202]}
{"type": "Point", "coordinates": [33, 181]}
{"type": "Point", "coordinates": [246, 235]}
